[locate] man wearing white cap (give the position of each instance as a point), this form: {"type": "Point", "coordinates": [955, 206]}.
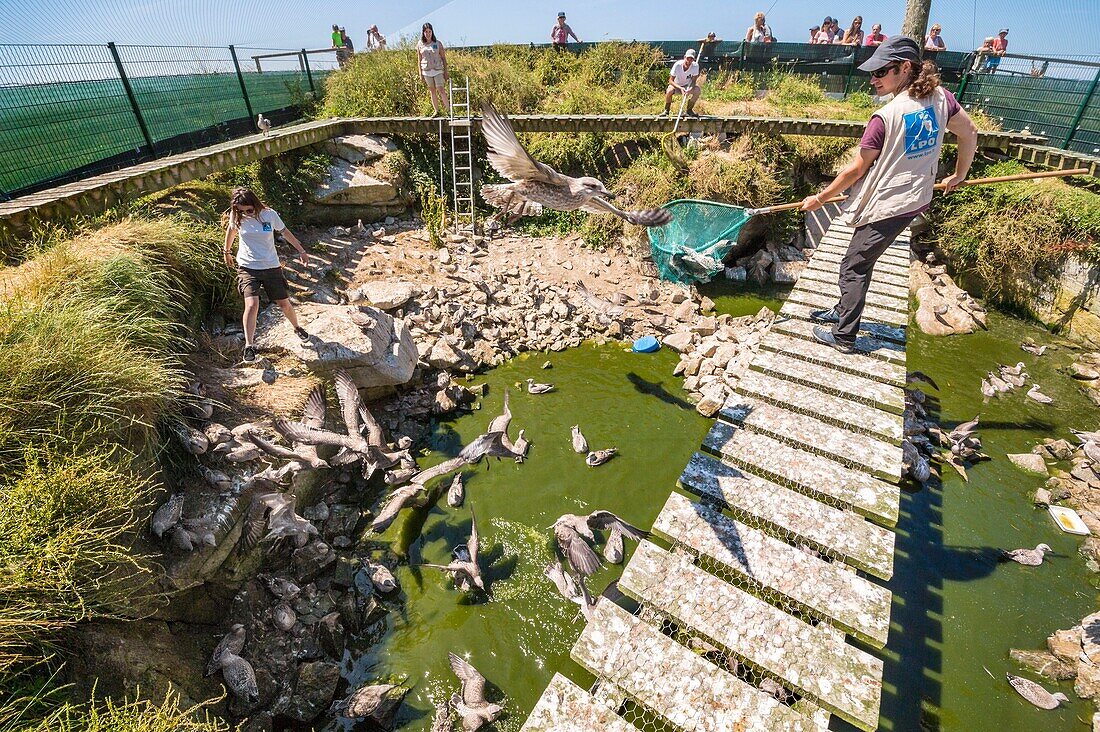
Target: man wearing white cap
{"type": "Point", "coordinates": [1000, 48]}
{"type": "Point", "coordinates": [682, 80]}
{"type": "Point", "coordinates": [559, 34]}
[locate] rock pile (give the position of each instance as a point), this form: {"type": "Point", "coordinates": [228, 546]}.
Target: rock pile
{"type": "Point", "coordinates": [1073, 653]}
{"type": "Point", "coordinates": [780, 263]}
{"type": "Point", "coordinates": [714, 352]}
{"type": "Point", "coordinates": [359, 184]}
{"type": "Point", "coordinates": [1086, 370]}
{"type": "Point", "coordinates": [944, 307]}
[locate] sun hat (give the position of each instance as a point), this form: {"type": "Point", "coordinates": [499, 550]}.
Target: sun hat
{"type": "Point", "coordinates": [895, 48]}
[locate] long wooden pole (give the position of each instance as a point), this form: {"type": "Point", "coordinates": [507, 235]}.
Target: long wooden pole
{"type": "Point", "coordinates": [940, 187]}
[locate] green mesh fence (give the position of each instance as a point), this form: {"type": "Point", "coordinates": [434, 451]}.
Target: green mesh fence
{"type": "Point", "coordinates": [692, 246]}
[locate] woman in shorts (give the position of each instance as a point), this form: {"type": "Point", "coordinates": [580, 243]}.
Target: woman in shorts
{"type": "Point", "coordinates": [257, 263]}
{"type": "Point", "coordinates": [433, 68]}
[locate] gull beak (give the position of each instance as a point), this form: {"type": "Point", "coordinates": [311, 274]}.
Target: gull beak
{"type": "Point", "coordinates": [607, 194]}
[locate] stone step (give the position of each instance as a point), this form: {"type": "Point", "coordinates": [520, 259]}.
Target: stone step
{"type": "Point", "coordinates": [831, 270]}
{"type": "Point", "coordinates": [850, 386]}
{"type": "Point", "coordinates": [854, 450]}
{"type": "Point", "coordinates": [878, 285]}
{"type": "Point", "coordinates": [873, 347]}
{"type": "Point", "coordinates": [823, 355]}
{"type": "Point", "coordinates": [870, 312]}
{"type": "Point", "coordinates": [838, 533]}
{"type": "Point", "coordinates": [839, 677]}
{"type": "Point", "coordinates": [566, 707]}
{"type": "Point", "coordinates": [830, 408]}
{"type": "Point", "coordinates": [833, 258]}
{"type": "Point", "coordinates": [868, 326]}
{"type": "Point", "coordinates": [831, 290]}
{"type": "Point", "coordinates": [677, 684]}
{"type": "Point", "coordinates": [805, 472]}
{"type": "Point", "coordinates": [825, 590]}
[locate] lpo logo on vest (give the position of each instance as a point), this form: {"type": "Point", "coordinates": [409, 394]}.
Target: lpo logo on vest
{"type": "Point", "coordinates": [922, 132]}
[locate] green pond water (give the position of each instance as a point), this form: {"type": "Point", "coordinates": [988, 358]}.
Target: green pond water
{"type": "Point", "coordinates": [955, 609]}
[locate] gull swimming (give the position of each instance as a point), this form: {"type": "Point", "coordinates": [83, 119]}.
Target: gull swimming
{"type": "Point", "coordinates": [535, 388]}
{"type": "Point", "coordinates": [580, 444]}
{"type": "Point", "coordinates": [1026, 557]}
{"type": "Point", "coordinates": [1034, 393]}
{"type": "Point", "coordinates": [1035, 693]}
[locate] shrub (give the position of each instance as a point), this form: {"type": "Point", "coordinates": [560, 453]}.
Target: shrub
{"type": "Point", "coordinates": [48, 713]}
{"type": "Point", "coordinates": [1008, 230]}
{"type": "Point", "coordinates": [60, 558]}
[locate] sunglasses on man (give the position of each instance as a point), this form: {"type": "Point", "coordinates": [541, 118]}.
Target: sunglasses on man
{"type": "Point", "coordinates": [879, 73]}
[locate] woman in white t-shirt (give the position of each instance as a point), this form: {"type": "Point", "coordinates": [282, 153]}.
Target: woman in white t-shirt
{"type": "Point", "coordinates": [758, 32]}
{"type": "Point", "coordinates": [433, 68]}
{"type": "Point", "coordinates": [257, 263]}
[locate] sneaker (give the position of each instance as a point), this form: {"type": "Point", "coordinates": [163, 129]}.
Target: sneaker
{"type": "Point", "coordinates": [691, 113]}
{"type": "Point", "coordinates": [301, 333]}
{"type": "Point", "coordinates": [825, 316]}
{"type": "Point", "coordinates": [662, 114]}
{"type": "Point", "coordinates": [249, 354]}
{"type": "Point", "coordinates": [823, 335]}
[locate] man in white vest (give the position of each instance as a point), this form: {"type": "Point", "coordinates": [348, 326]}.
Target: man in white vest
{"type": "Point", "coordinates": [892, 178]}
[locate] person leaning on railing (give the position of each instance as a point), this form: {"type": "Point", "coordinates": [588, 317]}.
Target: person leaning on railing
{"type": "Point", "coordinates": [854, 35]}
{"type": "Point", "coordinates": [257, 263]}
{"type": "Point", "coordinates": [892, 178]}
{"type": "Point", "coordinates": [876, 36]}
{"type": "Point", "coordinates": [934, 42]}
{"type": "Point", "coordinates": [759, 32]}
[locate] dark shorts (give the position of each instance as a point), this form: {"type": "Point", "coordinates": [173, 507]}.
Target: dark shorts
{"type": "Point", "coordinates": [249, 282]}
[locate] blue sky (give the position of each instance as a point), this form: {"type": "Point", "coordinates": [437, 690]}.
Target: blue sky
{"type": "Point", "coordinates": [1050, 26]}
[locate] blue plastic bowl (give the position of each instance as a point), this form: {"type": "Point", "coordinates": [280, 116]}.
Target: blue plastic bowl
{"type": "Point", "coordinates": [646, 344]}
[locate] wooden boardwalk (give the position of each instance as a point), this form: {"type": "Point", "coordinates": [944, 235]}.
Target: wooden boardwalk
{"type": "Point", "coordinates": [761, 592]}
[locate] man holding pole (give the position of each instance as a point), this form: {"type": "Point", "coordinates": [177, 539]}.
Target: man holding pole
{"type": "Point", "coordinates": [893, 175]}
{"type": "Point", "coordinates": [682, 79]}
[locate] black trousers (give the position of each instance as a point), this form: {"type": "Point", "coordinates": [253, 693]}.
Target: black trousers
{"type": "Point", "coordinates": [868, 244]}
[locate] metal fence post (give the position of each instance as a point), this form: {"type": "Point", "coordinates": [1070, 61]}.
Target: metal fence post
{"type": "Point", "coordinates": [1081, 111]}
{"type": "Point", "coordinates": [240, 80]}
{"type": "Point", "coordinates": [133, 100]}
{"type": "Point", "coordinates": [309, 74]}
{"type": "Point", "coordinates": [963, 82]}
{"type": "Point", "coordinates": [851, 70]}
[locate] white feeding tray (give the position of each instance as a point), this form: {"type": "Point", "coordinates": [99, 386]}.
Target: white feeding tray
{"type": "Point", "coordinates": [1069, 521]}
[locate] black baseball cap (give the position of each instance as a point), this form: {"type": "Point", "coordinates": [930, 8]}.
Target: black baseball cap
{"type": "Point", "coordinates": [895, 48]}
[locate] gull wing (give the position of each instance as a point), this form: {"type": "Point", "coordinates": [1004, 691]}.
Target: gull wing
{"type": "Point", "coordinates": [436, 471]}
{"type": "Point", "coordinates": [374, 435]}
{"type": "Point", "coordinates": [473, 683]}
{"type": "Point", "coordinates": [472, 544]}
{"type": "Point", "coordinates": [271, 448]}
{"type": "Point", "coordinates": [648, 217]}
{"type": "Point", "coordinates": [500, 424]}
{"type": "Point", "coordinates": [297, 432]}
{"type": "Point", "coordinates": [507, 153]}
{"type": "Point", "coordinates": [576, 550]}
{"type": "Point", "coordinates": [398, 500]}
{"type": "Point", "coordinates": [348, 394]}
{"type": "Point", "coordinates": [607, 520]}
{"type": "Point", "coordinates": [315, 409]}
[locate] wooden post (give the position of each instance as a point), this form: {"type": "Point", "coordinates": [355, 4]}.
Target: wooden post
{"type": "Point", "coordinates": [915, 24]}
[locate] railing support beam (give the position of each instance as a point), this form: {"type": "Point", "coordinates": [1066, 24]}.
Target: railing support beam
{"type": "Point", "coordinates": [240, 80]}
{"type": "Point", "coordinates": [133, 100]}
{"type": "Point", "coordinates": [1081, 111]}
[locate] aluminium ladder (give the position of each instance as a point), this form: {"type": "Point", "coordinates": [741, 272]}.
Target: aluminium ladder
{"type": "Point", "coordinates": [462, 158]}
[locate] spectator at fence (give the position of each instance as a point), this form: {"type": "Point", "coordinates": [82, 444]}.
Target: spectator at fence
{"type": "Point", "coordinates": [824, 34]}
{"type": "Point", "coordinates": [875, 37]}
{"type": "Point", "coordinates": [347, 41]}
{"type": "Point", "coordinates": [854, 35]}
{"type": "Point", "coordinates": [342, 44]}
{"type": "Point", "coordinates": [814, 29]}
{"type": "Point", "coordinates": [375, 40]}
{"type": "Point", "coordinates": [559, 34]}
{"type": "Point", "coordinates": [837, 36]}
{"type": "Point", "coordinates": [759, 32]}
{"type": "Point", "coordinates": [433, 68]}
{"type": "Point", "coordinates": [708, 46]}
{"type": "Point", "coordinates": [337, 39]}
{"type": "Point", "coordinates": [934, 41]}
{"type": "Point", "coordinates": [982, 54]}
{"type": "Point", "coordinates": [1000, 47]}
{"type": "Point", "coordinates": [257, 262]}
{"type": "Point", "coordinates": [682, 79]}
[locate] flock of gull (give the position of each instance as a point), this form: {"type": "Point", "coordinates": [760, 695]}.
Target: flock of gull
{"type": "Point", "coordinates": [272, 515]}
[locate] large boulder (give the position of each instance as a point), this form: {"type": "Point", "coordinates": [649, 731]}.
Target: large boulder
{"type": "Point", "coordinates": [384, 295]}
{"type": "Point", "coordinates": [313, 691]}
{"type": "Point", "coordinates": [375, 348]}
{"type": "Point", "coordinates": [349, 184]}
{"type": "Point", "coordinates": [358, 149]}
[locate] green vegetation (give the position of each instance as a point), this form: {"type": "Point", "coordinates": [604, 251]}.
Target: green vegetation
{"type": "Point", "coordinates": [1008, 231]}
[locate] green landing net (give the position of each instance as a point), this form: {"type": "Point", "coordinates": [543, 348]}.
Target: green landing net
{"type": "Point", "coordinates": [692, 247]}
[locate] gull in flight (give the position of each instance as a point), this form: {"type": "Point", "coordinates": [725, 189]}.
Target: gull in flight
{"type": "Point", "coordinates": [536, 184]}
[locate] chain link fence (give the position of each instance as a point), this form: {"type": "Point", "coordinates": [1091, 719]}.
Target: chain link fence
{"type": "Point", "coordinates": [70, 111]}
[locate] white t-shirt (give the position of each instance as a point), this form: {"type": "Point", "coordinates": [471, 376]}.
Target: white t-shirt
{"type": "Point", "coordinates": [257, 234]}
{"type": "Point", "coordinates": [682, 77]}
